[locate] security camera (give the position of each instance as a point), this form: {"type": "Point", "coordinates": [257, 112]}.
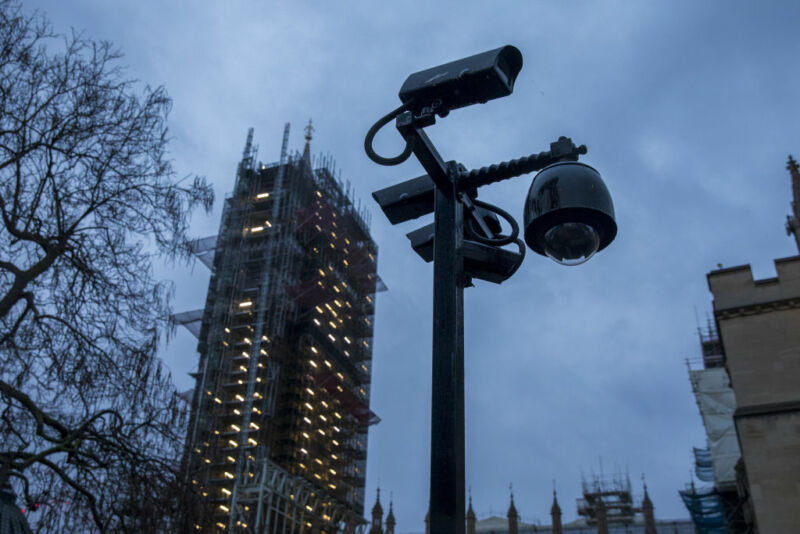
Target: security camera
{"type": "Point", "coordinates": [471, 80]}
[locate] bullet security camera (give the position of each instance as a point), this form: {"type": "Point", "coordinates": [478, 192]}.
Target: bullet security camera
{"type": "Point", "coordinates": [471, 80]}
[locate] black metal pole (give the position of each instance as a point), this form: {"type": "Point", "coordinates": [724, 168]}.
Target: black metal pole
{"type": "Point", "coordinates": [448, 491]}
{"type": "Point", "coordinates": [447, 406]}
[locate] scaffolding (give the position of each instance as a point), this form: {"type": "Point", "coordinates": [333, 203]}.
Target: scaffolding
{"type": "Point", "coordinates": [720, 506]}
{"type": "Point", "coordinates": [607, 495]}
{"type": "Point", "coordinates": [278, 435]}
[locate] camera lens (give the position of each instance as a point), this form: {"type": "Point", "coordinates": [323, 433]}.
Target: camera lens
{"type": "Point", "coordinates": [571, 243]}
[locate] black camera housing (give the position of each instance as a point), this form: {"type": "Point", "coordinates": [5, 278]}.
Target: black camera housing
{"type": "Point", "coordinates": [471, 80]}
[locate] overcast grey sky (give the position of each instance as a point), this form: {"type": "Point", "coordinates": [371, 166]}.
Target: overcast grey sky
{"type": "Point", "coordinates": [689, 110]}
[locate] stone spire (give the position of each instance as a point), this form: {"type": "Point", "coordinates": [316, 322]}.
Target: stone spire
{"type": "Point", "coordinates": [647, 511]}
{"type": "Point", "coordinates": [377, 516]}
{"type": "Point", "coordinates": [602, 519]}
{"type": "Point", "coordinates": [793, 221]}
{"type": "Point", "coordinates": [555, 513]}
{"type": "Point", "coordinates": [309, 129]}
{"type": "Point", "coordinates": [513, 516]}
{"type": "Point", "coordinates": [390, 522]}
{"type": "Point", "coordinates": [470, 516]}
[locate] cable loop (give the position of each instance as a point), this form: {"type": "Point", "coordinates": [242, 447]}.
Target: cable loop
{"type": "Point", "coordinates": [383, 121]}
{"type": "Point", "coordinates": [498, 241]}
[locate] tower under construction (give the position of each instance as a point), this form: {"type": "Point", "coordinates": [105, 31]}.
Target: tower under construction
{"type": "Point", "coordinates": [277, 440]}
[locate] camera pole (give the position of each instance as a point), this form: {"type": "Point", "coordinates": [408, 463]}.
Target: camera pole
{"type": "Point", "coordinates": [447, 485]}
{"type": "Point", "coordinates": [568, 222]}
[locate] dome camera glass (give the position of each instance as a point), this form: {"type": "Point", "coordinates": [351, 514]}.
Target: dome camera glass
{"type": "Point", "coordinates": [571, 243]}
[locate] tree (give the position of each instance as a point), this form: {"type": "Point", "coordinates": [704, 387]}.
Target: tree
{"type": "Point", "coordinates": [90, 424]}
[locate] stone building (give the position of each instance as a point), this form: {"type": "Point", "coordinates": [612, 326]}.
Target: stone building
{"type": "Point", "coordinates": [759, 327]}
{"type": "Point", "coordinates": [603, 520]}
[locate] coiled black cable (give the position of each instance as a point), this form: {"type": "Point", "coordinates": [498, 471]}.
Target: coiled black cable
{"type": "Point", "coordinates": [383, 121]}
{"type": "Point", "coordinates": [495, 241]}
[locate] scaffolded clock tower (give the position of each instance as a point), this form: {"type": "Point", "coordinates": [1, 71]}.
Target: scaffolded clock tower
{"type": "Point", "coordinates": [278, 435]}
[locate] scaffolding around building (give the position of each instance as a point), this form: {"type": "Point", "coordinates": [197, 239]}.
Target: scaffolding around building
{"type": "Point", "coordinates": [716, 508]}
{"type": "Point", "coordinates": [278, 435]}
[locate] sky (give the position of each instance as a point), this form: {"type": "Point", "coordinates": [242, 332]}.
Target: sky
{"type": "Point", "coordinates": [689, 111]}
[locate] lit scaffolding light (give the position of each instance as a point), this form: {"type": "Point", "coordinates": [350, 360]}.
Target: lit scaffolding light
{"type": "Point", "coordinates": [246, 304]}
{"type": "Point", "coordinates": [262, 195]}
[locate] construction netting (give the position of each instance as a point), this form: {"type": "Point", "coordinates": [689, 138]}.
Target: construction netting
{"type": "Point", "coordinates": [705, 507]}
{"type": "Point", "coordinates": [717, 403]}
{"type": "Point", "coordinates": [703, 466]}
